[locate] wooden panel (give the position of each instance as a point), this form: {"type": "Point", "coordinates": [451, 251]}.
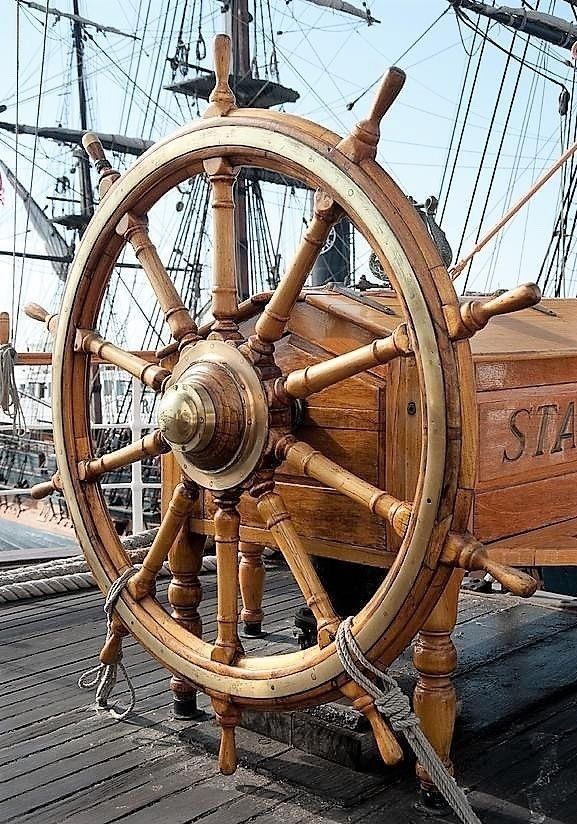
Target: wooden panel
{"type": "Point", "coordinates": [524, 507]}
{"type": "Point", "coordinates": [531, 330]}
{"type": "Point", "coordinates": [344, 421]}
{"type": "Point", "coordinates": [550, 545]}
{"type": "Point", "coordinates": [318, 512]}
{"type": "Point", "coordinates": [337, 334]}
{"type": "Point", "coordinates": [314, 546]}
{"type": "Point", "coordinates": [524, 369]}
{"type": "Point", "coordinates": [354, 450]}
{"type": "Point", "coordinates": [525, 434]}
{"type": "Point", "coordinates": [354, 393]}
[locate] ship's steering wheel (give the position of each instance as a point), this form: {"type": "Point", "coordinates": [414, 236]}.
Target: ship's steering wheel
{"type": "Point", "coordinates": [225, 410]}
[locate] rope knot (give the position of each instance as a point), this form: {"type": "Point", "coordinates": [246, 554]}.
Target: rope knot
{"type": "Point", "coordinates": [395, 705]}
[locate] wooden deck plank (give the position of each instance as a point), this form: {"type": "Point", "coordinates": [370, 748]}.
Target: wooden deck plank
{"type": "Point", "coordinates": [59, 762]}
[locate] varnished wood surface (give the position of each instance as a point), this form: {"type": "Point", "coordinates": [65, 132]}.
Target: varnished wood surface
{"type": "Point", "coordinates": [61, 763]}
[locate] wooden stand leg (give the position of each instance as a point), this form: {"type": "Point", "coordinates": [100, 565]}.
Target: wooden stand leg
{"type": "Point", "coordinates": [251, 577]}
{"type": "Point", "coordinates": [185, 595]}
{"type": "Point", "coordinates": [228, 716]}
{"type": "Point", "coordinates": [435, 699]}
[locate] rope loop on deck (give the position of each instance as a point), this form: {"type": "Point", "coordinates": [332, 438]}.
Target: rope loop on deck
{"type": "Point", "coordinates": [395, 706]}
{"type": "Point", "coordinates": [105, 676]}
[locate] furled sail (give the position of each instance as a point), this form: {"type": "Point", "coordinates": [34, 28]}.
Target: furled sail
{"type": "Point", "coordinates": [56, 246]}
{"type": "Point", "coordinates": [113, 142]}
{"type": "Point", "coordinates": [547, 27]}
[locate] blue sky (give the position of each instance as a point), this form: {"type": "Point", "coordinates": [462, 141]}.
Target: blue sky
{"type": "Point", "coordinates": [330, 59]}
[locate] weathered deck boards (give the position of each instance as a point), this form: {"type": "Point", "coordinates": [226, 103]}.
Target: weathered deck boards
{"type": "Point", "coordinates": [59, 762]}
{"type": "Point", "coordinates": [19, 536]}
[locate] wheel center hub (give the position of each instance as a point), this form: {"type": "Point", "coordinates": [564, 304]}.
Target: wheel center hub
{"type": "Point", "coordinates": [214, 415]}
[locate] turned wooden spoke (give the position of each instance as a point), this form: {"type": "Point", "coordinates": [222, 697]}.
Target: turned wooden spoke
{"type": "Point", "coordinates": [226, 538]}
{"type": "Point", "coordinates": [179, 508]}
{"type": "Point", "coordinates": [362, 143]}
{"type": "Point", "coordinates": [149, 373]}
{"type": "Point", "coordinates": [150, 446]}
{"type": "Point", "coordinates": [466, 552]}
{"type": "Point", "coordinates": [36, 312]}
{"type": "Point", "coordinates": [184, 596]}
{"type": "Point", "coordinates": [474, 315]}
{"type": "Point", "coordinates": [271, 324]}
{"type": "Point", "coordinates": [135, 231]}
{"type": "Point", "coordinates": [303, 458]}
{"type": "Point", "coordinates": [278, 521]}
{"type": "Point", "coordinates": [251, 575]}
{"type": "Point", "coordinates": [224, 293]}
{"type": "Point", "coordinates": [304, 382]}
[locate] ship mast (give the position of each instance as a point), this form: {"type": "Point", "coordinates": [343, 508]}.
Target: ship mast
{"type": "Point", "coordinates": [238, 19]}
{"type": "Point", "coordinates": [84, 162]}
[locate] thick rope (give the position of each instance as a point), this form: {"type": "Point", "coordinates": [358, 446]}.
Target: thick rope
{"type": "Point", "coordinates": [69, 575]}
{"type": "Point", "coordinates": [105, 676]}
{"type": "Point", "coordinates": [9, 397]}
{"type": "Point", "coordinates": [395, 706]}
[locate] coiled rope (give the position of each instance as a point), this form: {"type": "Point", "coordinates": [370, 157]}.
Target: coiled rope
{"type": "Point", "coordinates": [392, 703]}
{"type": "Point", "coordinates": [72, 574]}
{"type": "Point", "coordinates": [9, 397]}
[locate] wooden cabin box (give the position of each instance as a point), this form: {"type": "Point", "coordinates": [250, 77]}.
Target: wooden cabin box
{"type": "Point", "coordinates": [526, 480]}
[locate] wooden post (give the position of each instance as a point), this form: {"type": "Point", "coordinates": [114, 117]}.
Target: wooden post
{"type": "Point", "coordinates": [226, 539]}
{"type": "Point", "coordinates": [224, 293]}
{"type": "Point", "coordinates": [4, 328]}
{"type": "Point", "coordinates": [435, 658]}
{"type": "Point", "coordinates": [251, 575]}
{"type": "Point", "coordinates": [184, 596]}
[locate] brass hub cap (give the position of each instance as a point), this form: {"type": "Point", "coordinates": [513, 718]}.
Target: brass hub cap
{"type": "Point", "coordinates": [214, 415]}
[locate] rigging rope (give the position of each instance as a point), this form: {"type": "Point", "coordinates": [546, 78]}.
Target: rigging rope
{"type": "Point", "coordinates": [16, 308]}
{"type": "Point", "coordinates": [456, 121]}
{"type": "Point", "coordinates": [498, 155]}
{"type": "Point", "coordinates": [465, 121]}
{"type": "Point", "coordinates": [485, 148]}
{"type": "Point", "coordinates": [353, 103]}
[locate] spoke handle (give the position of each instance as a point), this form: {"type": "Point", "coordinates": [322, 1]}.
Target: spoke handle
{"type": "Point", "coordinates": [466, 552]}
{"type": "Point", "coordinates": [37, 312]}
{"type": "Point", "coordinates": [222, 99]}
{"type": "Point", "coordinates": [388, 91]}
{"type": "Point", "coordinates": [4, 327]}
{"type": "Point", "coordinates": [362, 142]}
{"type": "Point", "coordinates": [46, 488]}
{"type": "Point", "coordinates": [389, 748]}
{"type": "Point", "coordinates": [475, 315]}
{"type": "Point", "coordinates": [222, 53]}
{"type": "Point", "coordinates": [94, 149]}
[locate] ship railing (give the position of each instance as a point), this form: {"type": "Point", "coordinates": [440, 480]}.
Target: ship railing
{"type": "Point", "coordinates": [135, 424]}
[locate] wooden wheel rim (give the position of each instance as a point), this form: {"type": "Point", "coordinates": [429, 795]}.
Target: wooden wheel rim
{"type": "Point", "coordinates": [293, 147]}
